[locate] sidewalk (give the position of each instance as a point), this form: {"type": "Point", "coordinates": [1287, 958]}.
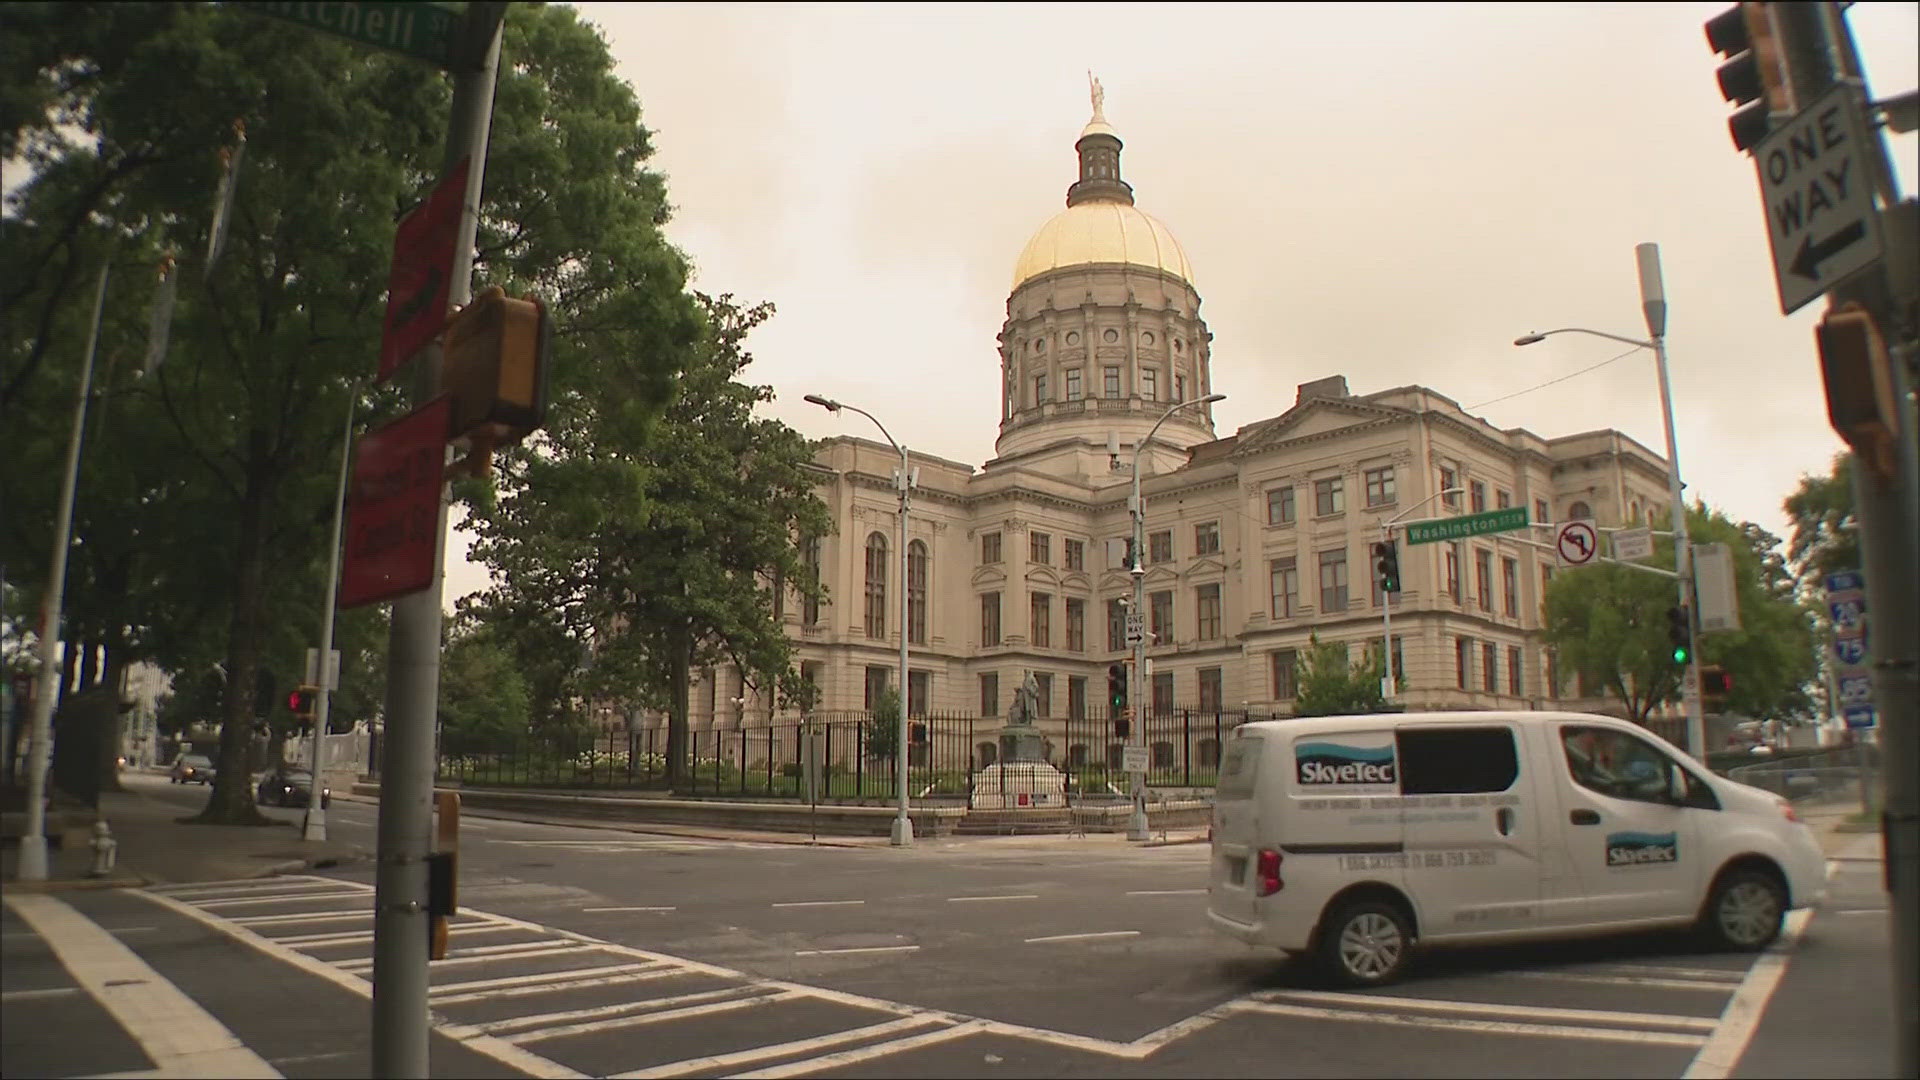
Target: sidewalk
{"type": "Point", "coordinates": [155, 847]}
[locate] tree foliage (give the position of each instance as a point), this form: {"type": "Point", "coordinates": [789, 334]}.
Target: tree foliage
{"type": "Point", "coordinates": [482, 692]}
{"type": "Point", "coordinates": [1331, 683]}
{"type": "Point", "coordinates": [207, 487]}
{"type": "Point", "coordinates": [1609, 624]}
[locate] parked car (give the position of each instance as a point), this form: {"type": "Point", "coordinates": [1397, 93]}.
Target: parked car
{"type": "Point", "coordinates": [192, 769]}
{"type": "Point", "coordinates": [290, 786]}
{"type": "Point", "coordinates": [1356, 839]}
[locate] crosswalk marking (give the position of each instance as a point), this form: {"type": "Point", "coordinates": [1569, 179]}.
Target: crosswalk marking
{"type": "Point", "coordinates": [762, 997]}
{"type": "Point", "coordinates": [779, 1050]}
{"type": "Point", "coordinates": [1536, 1012]}
{"type": "Point", "coordinates": [530, 989]}
{"type": "Point", "coordinates": [533, 1021]}
{"type": "Point", "coordinates": [850, 1057]}
{"type": "Point", "coordinates": [1457, 1023]}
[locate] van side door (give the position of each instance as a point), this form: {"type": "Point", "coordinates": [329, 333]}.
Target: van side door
{"type": "Point", "coordinates": [1634, 845]}
{"type": "Point", "coordinates": [1473, 827]}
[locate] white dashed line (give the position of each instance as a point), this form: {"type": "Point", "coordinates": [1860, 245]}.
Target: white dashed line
{"type": "Point", "coordinates": [821, 903]}
{"type": "Point", "coordinates": [1167, 892]}
{"type": "Point", "coordinates": [970, 899]}
{"type": "Point", "coordinates": [598, 910]}
{"type": "Point", "coordinates": [868, 949]}
{"type": "Point", "coordinates": [1085, 937]}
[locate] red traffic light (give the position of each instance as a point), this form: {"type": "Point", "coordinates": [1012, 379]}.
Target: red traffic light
{"type": "Point", "coordinates": [293, 701]}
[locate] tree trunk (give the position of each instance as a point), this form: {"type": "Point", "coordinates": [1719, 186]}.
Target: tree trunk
{"type": "Point", "coordinates": [232, 799]}
{"type": "Point", "coordinates": [682, 652]}
{"type": "Point", "coordinates": [111, 678]}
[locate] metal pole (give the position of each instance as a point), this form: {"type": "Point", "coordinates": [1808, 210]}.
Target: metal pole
{"type": "Point", "coordinates": [316, 825]}
{"type": "Point", "coordinates": [33, 845]}
{"type": "Point", "coordinates": [902, 824]}
{"type": "Point", "coordinates": [1386, 621]}
{"type": "Point", "coordinates": [1653, 303]}
{"type": "Point", "coordinates": [401, 932]}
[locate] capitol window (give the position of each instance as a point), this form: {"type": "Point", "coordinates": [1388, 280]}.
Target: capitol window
{"type": "Point", "coordinates": [1110, 335]}
{"type": "Point", "coordinates": [1149, 384]}
{"type": "Point", "coordinates": [1073, 384]}
{"type": "Point", "coordinates": [1073, 337]}
{"type": "Point", "coordinates": [1146, 337]}
{"type": "Point", "coordinates": [1110, 382]}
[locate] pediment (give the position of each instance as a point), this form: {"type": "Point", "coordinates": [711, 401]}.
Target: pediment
{"type": "Point", "coordinates": [1207, 566]}
{"type": "Point", "coordinates": [1043, 575]}
{"type": "Point", "coordinates": [989, 575]}
{"type": "Point", "coordinates": [1318, 416]}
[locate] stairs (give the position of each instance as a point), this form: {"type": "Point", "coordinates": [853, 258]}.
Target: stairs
{"type": "Point", "coordinates": [1014, 822]}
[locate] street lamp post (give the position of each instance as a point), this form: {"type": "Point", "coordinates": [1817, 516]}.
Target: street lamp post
{"type": "Point", "coordinates": [903, 482]}
{"type": "Point", "coordinates": [1386, 598]}
{"type": "Point", "coordinates": [1653, 304]}
{"type": "Point", "coordinates": [1137, 821]}
{"type": "Point", "coordinates": [315, 826]}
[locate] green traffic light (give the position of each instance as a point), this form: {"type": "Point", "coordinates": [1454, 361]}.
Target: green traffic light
{"type": "Point", "coordinates": [1680, 656]}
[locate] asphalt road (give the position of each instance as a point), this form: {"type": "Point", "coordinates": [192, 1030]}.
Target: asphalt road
{"type": "Point", "coordinates": [606, 952]}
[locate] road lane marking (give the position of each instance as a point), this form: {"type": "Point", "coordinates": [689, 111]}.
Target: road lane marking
{"type": "Point", "coordinates": [1742, 1017]}
{"type": "Point", "coordinates": [864, 1053]}
{"type": "Point", "coordinates": [596, 910]}
{"type": "Point", "coordinates": [499, 1050]}
{"type": "Point", "coordinates": [499, 993]}
{"type": "Point", "coordinates": [970, 899]}
{"type": "Point", "coordinates": [530, 1023]}
{"type": "Point", "coordinates": [176, 1033]}
{"type": "Point", "coordinates": [1626, 980]}
{"type": "Point", "coordinates": [655, 1017]}
{"type": "Point", "coordinates": [519, 950]}
{"type": "Point", "coordinates": [298, 917]}
{"type": "Point", "coordinates": [1167, 892]}
{"type": "Point", "coordinates": [820, 903]}
{"type": "Point", "coordinates": [1460, 1023]}
{"type": "Point", "coordinates": [720, 1062]}
{"type": "Point", "coordinates": [1536, 1012]}
{"type": "Point", "coordinates": [462, 931]}
{"type": "Point", "coordinates": [543, 976]}
{"type": "Point", "coordinates": [355, 894]}
{"type": "Point", "coordinates": [1085, 937]}
{"type": "Point", "coordinates": [249, 887]}
{"type": "Point", "coordinates": [1665, 971]}
{"type": "Point", "coordinates": [865, 949]}
{"type": "Point", "coordinates": [35, 995]}
{"type": "Point", "coordinates": [1862, 911]}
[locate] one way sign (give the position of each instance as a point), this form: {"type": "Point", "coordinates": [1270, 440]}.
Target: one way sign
{"type": "Point", "coordinates": [1818, 193]}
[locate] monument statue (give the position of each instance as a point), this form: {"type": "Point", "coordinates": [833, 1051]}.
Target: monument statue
{"type": "Point", "coordinates": [1026, 703]}
{"type": "Point", "coordinates": [1099, 97]}
{"type": "Point", "coordinates": [1020, 777]}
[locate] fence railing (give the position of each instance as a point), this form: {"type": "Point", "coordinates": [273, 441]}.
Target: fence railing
{"type": "Point", "coordinates": [854, 758]}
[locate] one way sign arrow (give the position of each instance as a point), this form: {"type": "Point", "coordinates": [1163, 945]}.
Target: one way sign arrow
{"type": "Point", "coordinates": [1807, 262]}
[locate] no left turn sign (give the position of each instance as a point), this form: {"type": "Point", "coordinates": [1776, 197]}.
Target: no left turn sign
{"type": "Point", "coordinates": [1576, 542]}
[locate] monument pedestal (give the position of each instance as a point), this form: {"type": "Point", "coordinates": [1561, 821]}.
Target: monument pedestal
{"type": "Point", "coordinates": [1019, 785]}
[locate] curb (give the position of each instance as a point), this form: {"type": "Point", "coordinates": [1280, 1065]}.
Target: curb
{"type": "Point", "coordinates": [75, 884]}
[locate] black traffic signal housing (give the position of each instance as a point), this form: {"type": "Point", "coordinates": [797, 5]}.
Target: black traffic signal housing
{"type": "Point", "coordinates": [1680, 634]}
{"type": "Point", "coordinates": [1386, 565]}
{"type": "Point", "coordinates": [301, 701]}
{"type": "Point", "coordinates": [1715, 685]}
{"type": "Point", "coordinates": [1117, 686]}
{"type": "Point", "coordinates": [1754, 76]}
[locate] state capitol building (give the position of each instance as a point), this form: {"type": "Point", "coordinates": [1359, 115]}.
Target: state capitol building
{"type": "Point", "coordinates": [1254, 539]}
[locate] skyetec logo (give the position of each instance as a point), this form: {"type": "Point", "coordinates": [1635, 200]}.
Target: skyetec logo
{"type": "Point", "coordinates": [1638, 848]}
{"type": "Point", "coordinates": [1323, 764]}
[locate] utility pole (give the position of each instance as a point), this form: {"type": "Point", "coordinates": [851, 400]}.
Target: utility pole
{"type": "Point", "coordinates": [1820, 54]}
{"type": "Point", "coordinates": [316, 820]}
{"type": "Point", "coordinates": [401, 927]}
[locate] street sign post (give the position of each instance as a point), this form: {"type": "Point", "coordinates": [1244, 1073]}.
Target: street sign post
{"type": "Point", "coordinates": [422, 272]}
{"type": "Point", "coordinates": [424, 31]}
{"type": "Point", "coordinates": [1459, 528]}
{"type": "Point", "coordinates": [1817, 189]}
{"type": "Point", "coordinates": [1632, 545]}
{"type": "Point", "coordinates": [393, 507]}
{"type": "Point", "coordinates": [1576, 542]}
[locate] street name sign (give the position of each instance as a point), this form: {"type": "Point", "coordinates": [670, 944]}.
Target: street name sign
{"type": "Point", "coordinates": [1459, 528]}
{"type": "Point", "coordinates": [1632, 545]}
{"type": "Point", "coordinates": [1817, 190]}
{"type": "Point", "coordinates": [1576, 542]}
{"type": "Point", "coordinates": [424, 31]}
{"type": "Point", "coordinates": [422, 272]}
{"type": "Point", "coordinates": [393, 507]}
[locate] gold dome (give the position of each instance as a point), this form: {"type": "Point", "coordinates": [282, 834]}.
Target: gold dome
{"type": "Point", "coordinates": [1102, 232]}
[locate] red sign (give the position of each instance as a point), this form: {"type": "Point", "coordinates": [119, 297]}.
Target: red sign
{"type": "Point", "coordinates": [393, 507]}
{"type": "Point", "coordinates": [422, 271]}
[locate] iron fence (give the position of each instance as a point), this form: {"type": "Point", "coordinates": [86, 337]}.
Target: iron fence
{"type": "Point", "coordinates": [855, 759]}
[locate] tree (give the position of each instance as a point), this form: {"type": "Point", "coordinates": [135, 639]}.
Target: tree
{"type": "Point", "coordinates": [883, 726]}
{"type": "Point", "coordinates": [1332, 684]}
{"type": "Point", "coordinates": [482, 693]}
{"type": "Point", "coordinates": [654, 549]}
{"type": "Point", "coordinates": [1826, 535]}
{"type": "Point", "coordinates": [239, 430]}
{"type": "Point", "coordinates": [1609, 623]}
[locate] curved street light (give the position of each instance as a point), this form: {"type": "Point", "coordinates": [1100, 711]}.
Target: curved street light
{"type": "Point", "coordinates": [902, 835]}
{"type": "Point", "coordinates": [1137, 821]}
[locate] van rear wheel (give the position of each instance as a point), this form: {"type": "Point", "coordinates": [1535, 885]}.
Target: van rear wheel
{"type": "Point", "coordinates": [1744, 911]}
{"type": "Point", "coordinates": [1365, 943]}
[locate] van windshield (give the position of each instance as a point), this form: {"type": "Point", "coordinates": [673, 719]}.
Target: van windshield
{"type": "Point", "coordinates": [1238, 771]}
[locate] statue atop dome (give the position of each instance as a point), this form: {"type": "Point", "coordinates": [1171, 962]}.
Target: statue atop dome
{"type": "Point", "coordinates": [1099, 95]}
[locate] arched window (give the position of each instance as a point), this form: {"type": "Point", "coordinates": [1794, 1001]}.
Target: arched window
{"type": "Point", "coordinates": [876, 586]}
{"type": "Point", "coordinates": [917, 592]}
{"type": "Point", "coordinates": [1579, 511]}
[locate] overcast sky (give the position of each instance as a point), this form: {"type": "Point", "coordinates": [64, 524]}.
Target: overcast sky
{"type": "Point", "coordinates": [1386, 192]}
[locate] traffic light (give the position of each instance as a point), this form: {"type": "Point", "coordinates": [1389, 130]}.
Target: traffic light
{"type": "Point", "coordinates": [1755, 75]}
{"type": "Point", "coordinates": [1862, 405]}
{"type": "Point", "coordinates": [1117, 686]}
{"type": "Point", "coordinates": [1715, 684]}
{"type": "Point", "coordinates": [1680, 634]}
{"type": "Point", "coordinates": [1386, 565]}
{"type": "Point", "coordinates": [300, 701]}
{"type": "Point", "coordinates": [494, 363]}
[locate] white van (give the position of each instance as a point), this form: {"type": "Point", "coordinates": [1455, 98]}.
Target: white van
{"type": "Point", "coordinates": [1352, 838]}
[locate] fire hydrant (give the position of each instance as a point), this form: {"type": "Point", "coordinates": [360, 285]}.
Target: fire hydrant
{"type": "Point", "coordinates": [104, 848]}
